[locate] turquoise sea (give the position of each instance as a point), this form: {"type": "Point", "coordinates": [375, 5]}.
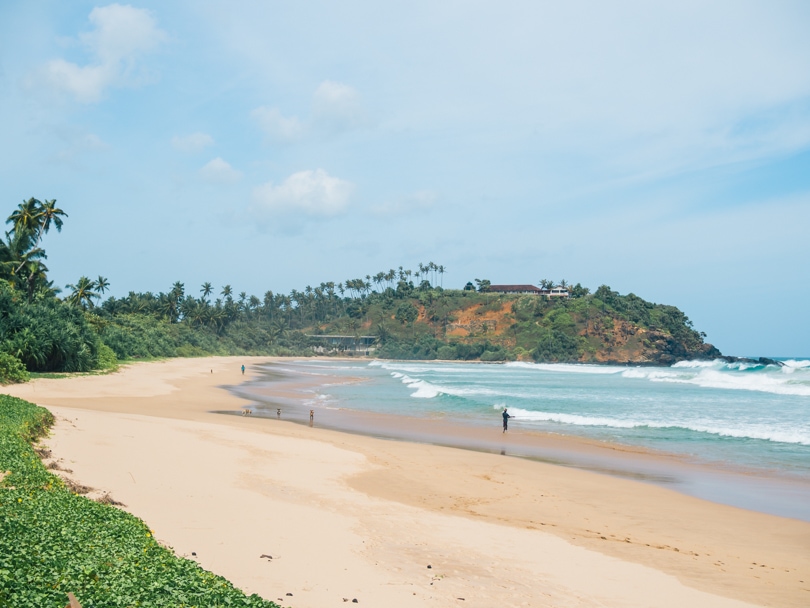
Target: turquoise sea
{"type": "Point", "coordinates": [737, 421]}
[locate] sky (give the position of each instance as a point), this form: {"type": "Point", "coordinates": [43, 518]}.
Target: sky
{"type": "Point", "coordinates": [661, 148]}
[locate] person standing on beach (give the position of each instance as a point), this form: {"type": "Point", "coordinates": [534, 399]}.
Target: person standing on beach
{"type": "Point", "coordinates": [243, 370]}
{"type": "Point", "coordinates": [506, 418]}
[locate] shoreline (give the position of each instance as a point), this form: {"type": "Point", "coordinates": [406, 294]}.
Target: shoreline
{"type": "Point", "coordinates": [352, 516]}
{"type": "Point", "coordinates": [767, 491]}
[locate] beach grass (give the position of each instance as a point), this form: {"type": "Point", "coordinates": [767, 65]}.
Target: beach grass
{"type": "Point", "coordinates": [53, 541]}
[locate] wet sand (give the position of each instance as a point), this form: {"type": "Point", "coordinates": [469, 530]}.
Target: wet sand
{"type": "Point", "coordinates": [292, 387]}
{"type": "Point", "coordinates": [355, 516]}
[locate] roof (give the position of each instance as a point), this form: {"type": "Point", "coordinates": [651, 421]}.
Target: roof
{"type": "Point", "coordinates": [341, 336]}
{"type": "Point", "coordinates": [531, 288]}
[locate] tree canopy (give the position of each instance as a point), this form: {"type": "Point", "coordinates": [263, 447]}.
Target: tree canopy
{"type": "Point", "coordinates": [408, 312]}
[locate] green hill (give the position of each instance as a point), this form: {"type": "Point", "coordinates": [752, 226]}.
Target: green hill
{"type": "Point", "coordinates": [452, 324]}
{"type": "Point", "coordinates": [395, 314]}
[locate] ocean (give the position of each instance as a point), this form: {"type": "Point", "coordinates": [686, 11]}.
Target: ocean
{"type": "Point", "coordinates": [745, 425]}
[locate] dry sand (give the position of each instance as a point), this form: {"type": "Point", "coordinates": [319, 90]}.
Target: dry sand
{"type": "Point", "coordinates": [394, 523]}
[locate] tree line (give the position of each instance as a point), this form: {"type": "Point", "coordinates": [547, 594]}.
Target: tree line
{"type": "Point", "coordinates": [407, 311]}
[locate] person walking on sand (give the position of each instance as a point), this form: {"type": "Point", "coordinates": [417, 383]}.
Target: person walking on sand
{"type": "Point", "coordinates": [506, 417]}
{"type": "Point", "coordinates": [243, 370]}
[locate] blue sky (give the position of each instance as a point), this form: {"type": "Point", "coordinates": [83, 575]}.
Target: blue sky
{"type": "Point", "coordinates": [659, 148]}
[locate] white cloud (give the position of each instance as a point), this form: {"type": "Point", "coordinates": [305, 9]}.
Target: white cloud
{"type": "Point", "coordinates": [193, 142]}
{"type": "Point", "coordinates": [77, 145]}
{"type": "Point", "coordinates": [93, 142]}
{"type": "Point", "coordinates": [338, 106]}
{"type": "Point", "coordinates": [415, 202]}
{"type": "Point", "coordinates": [218, 170]}
{"type": "Point", "coordinates": [314, 193]}
{"type": "Point", "coordinates": [275, 125]}
{"type": "Point", "coordinates": [120, 36]}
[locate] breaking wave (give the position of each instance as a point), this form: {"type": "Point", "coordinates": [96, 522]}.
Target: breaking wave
{"type": "Point", "coordinates": [570, 368]}
{"type": "Point", "coordinates": [791, 379]}
{"type": "Point", "coordinates": [427, 390]}
{"type": "Point", "coordinates": [739, 431]}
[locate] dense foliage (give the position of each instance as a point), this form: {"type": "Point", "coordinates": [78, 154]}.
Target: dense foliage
{"type": "Point", "coordinates": [53, 542]}
{"type": "Point", "coordinates": [12, 370]}
{"type": "Point", "coordinates": [46, 334]}
{"type": "Point", "coordinates": [403, 314]}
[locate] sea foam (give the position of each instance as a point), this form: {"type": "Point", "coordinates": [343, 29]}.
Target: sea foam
{"type": "Point", "coordinates": [569, 368]}
{"type": "Point", "coordinates": [738, 431]}
{"type": "Point", "coordinates": [719, 374]}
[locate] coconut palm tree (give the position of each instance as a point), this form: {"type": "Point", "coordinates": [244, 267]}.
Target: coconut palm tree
{"type": "Point", "coordinates": [35, 276]}
{"type": "Point", "coordinates": [32, 219]}
{"type": "Point", "coordinates": [16, 253]}
{"type": "Point", "coordinates": [206, 290]}
{"type": "Point", "coordinates": [25, 218]}
{"type": "Point", "coordinates": [50, 213]}
{"type": "Point", "coordinates": [83, 293]}
{"type": "Point", "coordinates": [102, 284]}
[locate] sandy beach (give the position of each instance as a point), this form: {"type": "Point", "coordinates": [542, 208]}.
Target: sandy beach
{"type": "Point", "coordinates": [313, 517]}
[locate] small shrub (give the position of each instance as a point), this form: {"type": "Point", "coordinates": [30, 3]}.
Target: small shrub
{"type": "Point", "coordinates": [105, 357]}
{"type": "Point", "coordinates": [447, 353]}
{"type": "Point", "coordinates": [493, 355]}
{"type": "Point", "coordinates": [12, 371]}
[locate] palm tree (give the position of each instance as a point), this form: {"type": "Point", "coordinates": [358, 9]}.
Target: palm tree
{"type": "Point", "coordinates": [32, 219]}
{"type": "Point", "coordinates": [206, 290]}
{"type": "Point", "coordinates": [49, 212]}
{"type": "Point", "coordinates": [102, 284]}
{"type": "Point", "coordinates": [26, 217]}
{"type": "Point", "coordinates": [36, 279]}
{"type": "Point", "coordinates": [269, 302]}
{"type": "Point", "coordinates": [16, 255]}
{"type": "Point", "coordinates": [194, 313]}
{"type": "Point", "coordinates": [82, 293]}
{"type": "Point", "coordinates": [227, 292]}
{"type": "Point", "coordinates": [168, 306]}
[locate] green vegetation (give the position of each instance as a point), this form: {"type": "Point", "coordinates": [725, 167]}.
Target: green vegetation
{"type": "Point", "coordinates": [408, 312]}
{"type": "Point", "coordinates": [12, 370]}
{"type": "Point", "coordinates": [53, 541]}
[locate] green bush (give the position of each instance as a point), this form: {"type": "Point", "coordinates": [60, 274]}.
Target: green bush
{"type": "Point", "coordinates": [446, 352]}
{"type": "Point", "coordinates": [46, 335]}
{"type": "Point", "coordinates": [105, 358]}
{"type": "Point", "coordinates": [53, 541]}
{"type": "Point", "coordinates": [494, 355]}
{"type": "Point", "coordinates": [12, 371]}
{"type": "Point", "coordinates": [556, 346]}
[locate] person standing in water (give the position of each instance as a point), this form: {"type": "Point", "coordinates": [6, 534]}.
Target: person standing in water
{"type": "Point", "coordinates": [506, 418]}
{"type": "Point", "coordinates": [243, 370]}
